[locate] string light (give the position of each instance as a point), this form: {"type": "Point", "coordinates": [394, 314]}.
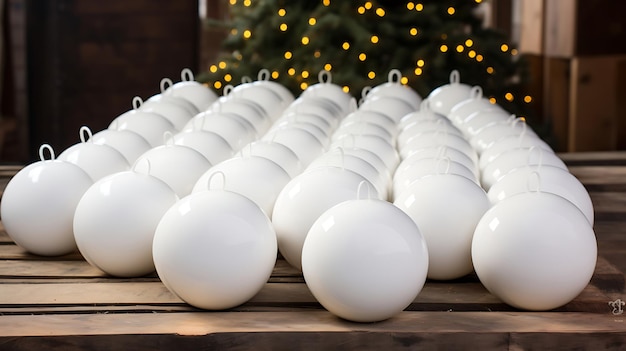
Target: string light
{"type": "Point", "coordinates": [514, 52]}
{"type": "Point", "coordinates": [479, 58]}
{"type": "Point", "coordinates": [451, 10]}
{"type": "Point", "coordinates": [508, 96]}
{"type": "Point", "coordinates": [362, 56]}
{"type": "Point", "coordinates": [283, 27]}
{"type": "Point", "coordinates": [418, 71]}
{"type": "Point", "coordinates": [443, 48]}
{"type": "Point", "coordinates": [410, 5]}
{"type": "Point", "coordinates": [305, 74]}
{"type": "Point", "coordinates": [328, 67]}
{"type": "Point", "coordinates": [221, 64]}
{"type": "Point", "coordinates": [420, 63]}
{"type": "Point", "coordinates": [233, 31]}
{"type": "Point", "coordinates": [469, 43]}
{"type": "Point", "coordinates": [492, 100]}
{"type": "Point", "coordinates": [305, 40]}
{"type": "Point", "coordinates": [346, 89]}
{"type": "Point", "coordinates": [404, 80]}
{"type": "Point", "coordinates": [374, 39]}
{"type": "Point", "coordinates": [247, 3]}
{"type": "Point", "coordinates": [228, 77]}
{"type": "Point", "coordinates": [490, 70]}
{"type": "Point", "coordinates": [275, 74]}
{"type": "Point", "coordinates": [371, 75]}
{"type": "Point", "coordinates": [317, 54]}
{"type": "Point", "coordinates": [419, 7]}
{"type": "Point", "coordinates": [213, 68]}
{"type": "Point", "coordinates": [380, 12]}
{"type": "Point", "coordinates": [471, 54]}
{"type": "Point", "coordinates": [413, 31]}
{"type": "Point", "coordinates": [460, 48]}
{"type": "Point", "coordinates": [504, 48]}
{"type": "Point", "coordinates": [233, 2]}
{"type": "Point", "coordinates": [217, 84]}
{"type": "Point", "coordinates": [303, 85]}
{"type": "Point", "coordinates": [368, 5]}
{"type": "Point", "coordinates": [312, 21]}
{"type": "Point", "coordinates": [282, 12]}
{"type": "Point", "coordinates": [361, 10]}
{"type": "Point", "coordinates": [247, 34]}
{"type": "Point", "coordinates": [528, 99]}
{"type": "Point", "coordinates": [288, 55]}
{"type": "Point", "coordinates": [326, 2]}
{"type": "Point", "coordinates": [345, 45]}
{"type": "Point", "coordinates": [291, 71]}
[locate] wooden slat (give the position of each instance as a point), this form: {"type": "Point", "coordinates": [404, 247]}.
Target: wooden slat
{"type": "Point", "coordinates": [601, 178]}
{"type": "Point", "coordinates": [594, 158]}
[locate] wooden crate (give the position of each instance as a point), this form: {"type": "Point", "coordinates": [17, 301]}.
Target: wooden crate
{"type": "Point", "coordinates": [64, 303]}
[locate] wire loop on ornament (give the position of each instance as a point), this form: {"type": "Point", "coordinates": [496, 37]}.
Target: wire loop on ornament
{"type": "Point", "coordinates": [168, 138]}
{"type": "Point", "coordinates": [536, 186]}
{"type": "Point", "coordinates": [137, 165]}
{"type": "Point", "coordinates": [137, 102]}
{"type": "Point", "coordinates": [85, 134]}
{"type": "Point", "coordinates": [263, 75]}
{"type": "Point", "coordinates": [446, 170]}
{"type": "Point", "coordinates": [43, 148]}
{"type": "Point", "coordinates": [342, 159]}
{"type": "Point", "coordinates": [394, 76]}
{"type": "Point", "coordinates": [246, 80]}
{"type": "Point", "coordinates": [228, 89]}
{"type": "Point", "coordinates": [540, 156]}
{"type": "Point", "coordinates": [353, 105]}
{"type": "Point", "coordinates": [165, 83]}
{"type": "Point", "coordinates": [359, 190]}
{"type": "Point", "coordinates": [210, 181]}
{"type": "Point", "coordinates": [325, 77]}
{"type": "Point", "coordinates": [186, 75]}
{"type": "Point", "coordinates": [455, 77]}
{"type": "Point", "coordinates": [476, 92]}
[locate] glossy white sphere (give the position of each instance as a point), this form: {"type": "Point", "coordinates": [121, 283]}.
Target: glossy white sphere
{"type": "Point", "coordinates": [446, 208]}
{"type": "Point", "coordinates": [149, 125]}
{"type": "Point", "coordinates": [214, 249]}
{"type": "Point", "coordinates": [393, 107]}
{"type": "Point", "coordinates": [237, 130]}
{"type": "Point", "coordinates": [443, 98]}
{"type": "Point", "coordinates": [304, 144]}
{"type": "Point", "coordinates": [115, 221]}
{"type": "Point", "coordinates": [364, 260]}
{"type": "Point", "coordinates": [257, 178]}
{"type": "Point", "coordinates": [211, 145]}
{"type": "Point", "coordinates": [276, 152]}
{"type": "Point", "coordinates": [178, 166]}
{"type": "Point", "coordinates": [304, 199]}
{"type": "Point", "coordinates": [38, 205]}
{"type": "Point", "coordinates": [535, 251]}
{"type": "Point", "coordinates": [97, 160]}
{"type": "Point", "coordinates": [129, 143]}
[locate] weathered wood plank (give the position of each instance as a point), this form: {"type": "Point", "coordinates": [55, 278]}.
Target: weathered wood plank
{"type": "Point", "coordinates": [14, 252]}
{"type": "Point", "coordinates": [594, 158]}
{"type": "Point", "coordinates": [601, 178]}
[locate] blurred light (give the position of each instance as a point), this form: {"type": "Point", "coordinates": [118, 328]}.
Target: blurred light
{"type": "Point", "coordinates": [514, 52]}
{"type": "Point", "coordinates": [413, 31]}
{"type": "Point", "coordinates": [419, 7]}
{"type": "Point", "coordinates": [247, 33]}
{"type": "Point", "coordinates": [275, 74]}
{"type": "Point", "coordinates": [490, 70]}
{"type": "Point", "coordinates": [404, 80]}
{"type": "Point", "coordinates": [451, 10]}
{"type": "Point", "coordinates": [213, 68]}
{"type": "Point", "coordinates": [345, 45]}
{"type": "Point", "coordinates": [504, 47]}
{"type": "Point", "coordinates": [368, 5]}
{"type": "Point", "coordinates": [326, 2]}
{"type": "Point", "coordinates": [471, 53]}
{"type": "Point", "coordinates": [479, 58]}
{"type": "Point", "coordinates": [528, 99]}
{"type": "Point", "coordinates": [303, 85]}
{"type": "Point", "coordinates": [361, 10]}
{"type": "Point", "coordinates": [217, 84]}
{"type": "Point", "coordinates": [469, 43]}
{"type": "Point", "coordinates": [233, 2]}
{"type": "Point", "coordinates": [374, 39]}
{"type": "Point", "coordinates": [418, 71]}
{"type": "Point", "coordinates": [221, 64]}
{"type": "Point", "coordinates": [346, 89]}
{"type": "Point", "coordinates": [234, 31]}
{"type": "Point", "coordinates": [305, 40]}
{"type": "Point", "coordinates": [312, 21]}
{"type": "Point", "coordinates": [492, 100]}
{"type": "Point", "coordinates": [410, 5]}
{"type": "Point", "coordinates": [283, 27]}
{"type": "Point", "coordinates": [247, 3]}
{"type": "Point", "coordinates": [362, 56]}
{"type": "Point", "coordinates": [291, 71]}
{"type": "Point", "coordinates": [288, 55]}
{"type": "Point", "coordinates": [460, 48]}
{"type": "Point", "coordinates": [380, 12]}
{"type": "Point", "coordinates": [508, 96]}
{"type": "Point", "coordinates": [443, 48]}
{"type": "Point", "coordinates": [371, 75]}
{"type": "Point", "coordinates": [282, 12]}
{"type": "Point", "coordinates": [305, 74]}
{"type": "Point", "coordinates": [228, 77]}
{"type": "Point", "coordinates": [420, 63]}
{"type": "Point", "coordinates": [317, 54]}
{"type": "Point", "coordinates": [328, 66]}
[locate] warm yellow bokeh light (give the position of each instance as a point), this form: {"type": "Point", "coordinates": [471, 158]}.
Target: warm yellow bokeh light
{"type": "Point", "coordinates": [275, 74]}
{"type": "Point", "coordinates": [312, 21]}
{"type": "Point", "coordinates": [361, 10]}
{"type": "Point", "coordinates": [479, 58]}
{"type": "Point", "coordinates": [247, 33]}
{"type": "Point", "coordinates": [291, 71]}
{"type": "Point", "coordinates": [443, 48]}
{"type": "Point", "coordinates": [471, 54]}
{"type": "Point", "coordinates": [288, 55]}
{"type": "Point", "coordinates": [221, 64]}
{"type": "Point", "coordinates": [362, 57]}
{"type": "Point", "coordinates": [460, 48]}
{"type": "Point", "coordinates": [420, 63]}
{"type": "Point", "coordinates": [368, 5]}
{"type": "Point", "coordinates": [317, 54]}
{"type": "Point", "coordinates": [451, 10]}
{"type": "Point", "coordinates": [419, 7]}
{"type": "Point", "coordinates": [374, 39]}
{"type": "Point", "coordinates": [303, 85]}
{"type": "Point", "coordinates": [418, 71]}
{"type": "Point", "coordinates": [404, 80]}
{"type": "Point", "coordinates": [228, 77]}
{"type": "Point", "coordinates": [305, 74]}
{"type": "Point", "coordinates": [305, 40]}
{"type": "Point", "coordinates": [490, 70]}
{"type": "Point", "coordinates": [233, 2]}
{"type": "Point", "coordinates": [328, 67]}
{"type": "Point", "coordinates": [282, 12]}
{"type": "Point", "coordinates": [283, 27]}
{"type": "Point", "coordinates": [413, 31]}
{"type": "Point", "coordinates": [213, 68]}
{"type": "Point", "coordinates": [410, 5]}
{"type": "Point", "coordinates": [508, 96]}
{"type": "Point", "coordinates": [326, 2]}
{"type": "Point", "coordinates": [492, 100]}
{"type": "Point", "coordinates": [217, 84]}
{"type": "Point", "coordinates": [514, 52]}
{"type": "Point", "coordinates": [247, 3]}
{"type": "Point", "coordinates": [380, 12]}
{"type": "Point", "coordinates": [504, 48]}
{"type": "Point", "coordinates": [371, 75]}
{"type": "Point", "coordinates": [346, 89]}
{"type": "Point", "coordinates": [528, 99]}
{"type": "Point", "coordinates": [345, 45]}
{"type": "Point", "coordinates": [234, 31]}
{"type": "Point", "coordinates": [469, 43]}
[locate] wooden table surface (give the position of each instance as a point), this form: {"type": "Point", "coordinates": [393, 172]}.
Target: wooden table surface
{"type": "Point", "coordinates": [64, 303]}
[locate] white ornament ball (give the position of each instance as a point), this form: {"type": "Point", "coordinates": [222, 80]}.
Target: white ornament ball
{"type": "Point", "coordinates": [364, 260]}
{"type": "Point", "coordinates": [115, 220]}
{"type": "Point", "coordinates": [214, 249]}
{"type": "Point", "coordinates": [38, 205]}
{"type": "Point", "coordinates": [446, 208]}
{"type": "Point", "coordinates": [535, 251]}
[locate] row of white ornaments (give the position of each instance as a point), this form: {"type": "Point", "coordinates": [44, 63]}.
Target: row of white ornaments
{"type": "Point", "coordinates": [361, 139]}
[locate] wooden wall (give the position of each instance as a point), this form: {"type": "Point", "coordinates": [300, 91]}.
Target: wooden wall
{"type": "Point", "coordinates": [86, 59]}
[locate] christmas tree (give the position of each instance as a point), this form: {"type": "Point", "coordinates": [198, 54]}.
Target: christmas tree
{"type": "Point", "coordinates": [361, 41]}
